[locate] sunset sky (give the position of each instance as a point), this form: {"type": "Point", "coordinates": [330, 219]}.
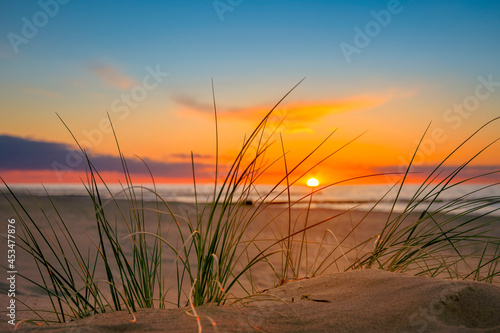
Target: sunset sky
{"type": "Point", "coordinates": [387, 68]}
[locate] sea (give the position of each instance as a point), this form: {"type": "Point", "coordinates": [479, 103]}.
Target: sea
{"type": "Point", "coordinates": [462, 198]}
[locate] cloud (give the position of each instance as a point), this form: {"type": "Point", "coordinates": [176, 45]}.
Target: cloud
{"type": "Point", "coordinates": [42, 92]}
{"type": "Point", "coordinates": [488, 173]}
{"type": "Point", "coordinates": [304, 112]}
{"type": "Point", "coordinates": [192, 103]}
{"type": "Point", "coordinates": [298, 114]}
{"type": "Point", "coordinates": [25, 154]}
{"type": "Point", "coordinates": [111, 76]}
{"type": "Point", "coordinates": [188, 156]}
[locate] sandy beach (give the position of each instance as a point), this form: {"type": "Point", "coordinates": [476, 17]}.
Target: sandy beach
{"type": "Point", "coordinates": [357, 301]}
{"type": "Point", "coordinates": [354, 301]}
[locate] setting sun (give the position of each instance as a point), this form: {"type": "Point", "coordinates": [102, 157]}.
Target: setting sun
{"type": "Point", "coordinates": [312, 182]}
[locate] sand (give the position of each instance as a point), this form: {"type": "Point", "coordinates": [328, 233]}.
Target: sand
{"type": "Point", "coordinates": [355, 301]}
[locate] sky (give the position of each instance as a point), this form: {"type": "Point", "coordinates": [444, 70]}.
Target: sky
{"type": "Point", "coordinates": [377, 74]}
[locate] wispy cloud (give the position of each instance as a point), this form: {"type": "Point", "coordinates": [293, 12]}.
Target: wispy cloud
{"type": "Point", "coordinates": [192, 103]}
{"type": "Point", "coordinates": [112, 77]}
{"type": "Point", "coordinates": [299, 114]}
{"type": "Point", "coordinates": [42, 92]}
{"type": "Point", "coordinates": [188, 156]}
{"type": "Point", "coordinates": [477, 173]}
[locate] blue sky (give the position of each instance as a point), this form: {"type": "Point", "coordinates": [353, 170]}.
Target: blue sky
{"type": "Point", "coordinates": [427, 58]}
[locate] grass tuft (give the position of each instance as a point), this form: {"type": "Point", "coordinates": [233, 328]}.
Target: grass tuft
{"type": "Point", "coordinates": [455, 239]}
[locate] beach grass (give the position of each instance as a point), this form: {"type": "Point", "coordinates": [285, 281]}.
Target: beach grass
{"type": "Point", "coordinates": [453, 239]}
{"type": "Point", "coordinates": [215, 254]}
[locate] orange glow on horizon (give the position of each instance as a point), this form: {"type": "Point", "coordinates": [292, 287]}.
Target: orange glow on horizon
{"type": "Point", "coordinates": [360, 176]}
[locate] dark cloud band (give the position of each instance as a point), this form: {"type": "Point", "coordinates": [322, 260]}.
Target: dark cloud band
{"type": "Point", "coordinates": [25, 154]}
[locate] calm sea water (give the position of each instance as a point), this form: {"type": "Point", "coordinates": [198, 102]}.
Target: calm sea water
{"type": "Point", "coordinates": [465, 197]}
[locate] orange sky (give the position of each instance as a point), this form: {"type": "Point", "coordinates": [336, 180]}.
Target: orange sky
{"type": "Point", "coordinates": [379, 144]}
{"type": "Point", "coordinates": [151, 69]}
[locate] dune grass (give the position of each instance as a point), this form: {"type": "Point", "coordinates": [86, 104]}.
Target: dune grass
{"type": "Point", "coordinates": [69, 274]}
{"type": "Point", "coordinates": [215, 254]}
{"type": "Point", "coordinates": [454, 239]}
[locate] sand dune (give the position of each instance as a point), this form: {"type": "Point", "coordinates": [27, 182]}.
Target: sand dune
{"type": "Point", "coordinates": [356, 301]}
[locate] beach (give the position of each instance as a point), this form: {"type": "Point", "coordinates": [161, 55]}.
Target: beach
{"type": "Point", "coordinates": [335, 301]}
{"type": "Point", "coordinates": [357, 301]}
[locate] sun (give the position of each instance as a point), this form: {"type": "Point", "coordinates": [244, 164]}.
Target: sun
{"type": "Point", "coordinates": [312, 182]}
